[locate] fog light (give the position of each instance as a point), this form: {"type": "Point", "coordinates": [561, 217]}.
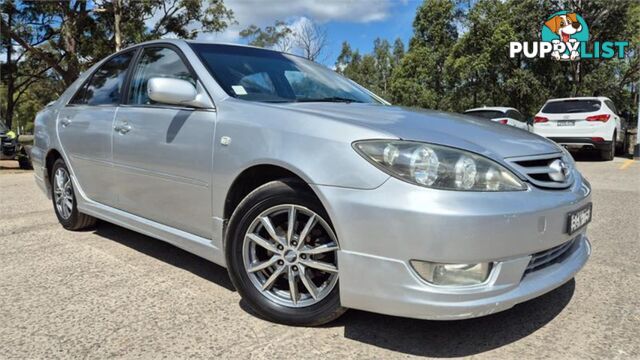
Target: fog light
{"type": "Point", "coordinates": [452, 274]}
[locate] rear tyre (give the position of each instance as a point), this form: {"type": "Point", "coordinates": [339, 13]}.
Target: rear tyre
{"type": "Point", "coordinates": [622, 147]}
{"type": "Point", "coordinates": [64, 199]}
{"type": "Point", "coordinates": [609, 152]}
{"type": "Point", "coordinates": [24, 158]}
{"type": "Point", "coordinates": [282, 255]}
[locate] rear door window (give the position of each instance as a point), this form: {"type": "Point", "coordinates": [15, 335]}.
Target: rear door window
{"type": "Point", "coordinates": [105, 86]}
{"type": "Point", "coordinates": [611, 106]}
{"type": "Point", "coordinates": [486, 114]}
{"type": "Point", "coordinates": [571, 106]}
{"type": "Point", "coordinates": [515, 115]}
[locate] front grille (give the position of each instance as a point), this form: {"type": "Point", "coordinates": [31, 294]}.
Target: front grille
{"type": "Point", "coordinates": [548, 257]}
{"type": "Point", "coordinates": [543, 170]}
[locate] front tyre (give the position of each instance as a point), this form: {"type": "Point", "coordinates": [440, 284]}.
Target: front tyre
{"type": "Point", "coordinates": [282, 255]}
{"type": "Point", "coordinates": [64, 199]}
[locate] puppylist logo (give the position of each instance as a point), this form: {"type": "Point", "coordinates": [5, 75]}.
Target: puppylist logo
{"type": "Point", "coordinates": [565, 36]}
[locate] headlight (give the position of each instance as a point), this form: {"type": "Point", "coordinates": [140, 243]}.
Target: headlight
{"type": "Point", "coordinates": [437, 166]}
{"type": "Point", "coordinates": [452, 274]}
{"type": "Point", "coordinates": [11, 135]}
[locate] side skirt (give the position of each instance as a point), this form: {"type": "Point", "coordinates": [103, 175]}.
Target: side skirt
{"type": "Point", "coordinates": [192, 243]}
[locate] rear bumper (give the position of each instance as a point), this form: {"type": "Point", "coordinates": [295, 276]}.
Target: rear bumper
{"type": "Point", "coordinates": [581, 142]}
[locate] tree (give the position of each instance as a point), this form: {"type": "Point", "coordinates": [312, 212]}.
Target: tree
{"type": "Point", "coordinates": [383, 65]}
{"type": "Point", "coordinates": [311, 39]}
{"type": "Point", "coordinates": [277, 36]}
{"type": "Point", "coordinates": [345, 57]}
{"type": "Point", "coordinates": [420, 78]}
{"type": "Point", "coordinates": [398, 52]}
{"type": "Point", "coordinates": [373, 70]}
{"type": "Point", "coordinates": [305, 37]}
{"type": "Point", "coordinates": [352, 69]}
{"type": "Point", "coordinates": [10, 9]}
{"type": "Point", "coordinates": [68, 36]}
{"type": "Point", "coordinates": [76, 31]}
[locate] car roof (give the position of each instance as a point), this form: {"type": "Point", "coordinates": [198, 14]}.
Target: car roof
{"type": "Point", "coordinates": [492, 108]}
{"type": "Point", "coordinates": [183, 41]}
{"type": "Point", "coordinates": [601, 98]}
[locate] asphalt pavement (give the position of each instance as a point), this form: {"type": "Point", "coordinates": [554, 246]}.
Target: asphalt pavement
{"type": "Point", "coordinates": [110, 292]}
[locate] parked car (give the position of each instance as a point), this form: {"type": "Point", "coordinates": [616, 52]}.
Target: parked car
{"type": "Point", "coordinates": [313, 192]}
{"type": "Point", "coordinates": [502, 115]}
{"type": "Point", "coordinates": [591, 122]}
{"type": "Point", "coordinates": [14, 147]}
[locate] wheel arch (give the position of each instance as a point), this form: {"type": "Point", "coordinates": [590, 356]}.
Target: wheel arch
{"type": "Point", "coordinates": [255, 176]}
{"type": "Point", "coordinates": [49, 160]}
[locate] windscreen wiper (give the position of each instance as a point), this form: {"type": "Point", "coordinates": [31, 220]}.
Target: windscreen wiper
{"type": "Point", "coordinates": [330, 99]}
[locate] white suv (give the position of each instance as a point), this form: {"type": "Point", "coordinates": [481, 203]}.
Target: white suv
{"type": "Point", "coordinates": [503, 115]}
{"type": "Point", "coordinates": [580, 122]}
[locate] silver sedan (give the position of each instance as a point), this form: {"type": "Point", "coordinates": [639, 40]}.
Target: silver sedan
{"type": "Point", "coordinates": [316, 194]}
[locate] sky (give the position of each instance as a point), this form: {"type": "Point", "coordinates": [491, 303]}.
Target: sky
{"type": "Point", "coordinates": [357, 21]}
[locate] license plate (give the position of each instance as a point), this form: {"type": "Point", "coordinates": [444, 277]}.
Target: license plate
{"type": "Point", "coordinates": [566, 123]}
{"type": "Point", "coordinates": [579, 218]}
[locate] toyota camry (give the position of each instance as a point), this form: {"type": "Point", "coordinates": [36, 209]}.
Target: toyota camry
{"type": "Point", "coordinates": [316, 194]}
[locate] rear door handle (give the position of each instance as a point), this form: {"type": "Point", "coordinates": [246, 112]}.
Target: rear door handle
{"type": "Point", "coordinates": [65, 122]}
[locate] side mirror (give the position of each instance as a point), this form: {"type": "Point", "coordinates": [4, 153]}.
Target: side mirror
{"type": "Point", "coordinates": [177, 92]}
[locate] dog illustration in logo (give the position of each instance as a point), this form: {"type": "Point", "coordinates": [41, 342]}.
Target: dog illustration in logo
{"type": "Point", "coordinates": [564, 26]}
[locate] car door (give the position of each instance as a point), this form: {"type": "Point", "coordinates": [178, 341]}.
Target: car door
{"type": "Point", "coordinates": [163, 154]}
{"type": "Point", "coordinates": [85, 127]}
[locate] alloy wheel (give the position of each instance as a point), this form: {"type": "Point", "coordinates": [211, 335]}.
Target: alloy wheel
{"type": "Point", "coordinates": [63, 193]}
{"type": "Point", "coordinates": [290, 255]}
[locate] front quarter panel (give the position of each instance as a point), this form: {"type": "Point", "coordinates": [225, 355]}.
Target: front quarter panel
{"type": "Point", "coordinates": [316, 149]}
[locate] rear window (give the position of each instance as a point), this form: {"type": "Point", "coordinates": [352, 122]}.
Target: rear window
{"type": "Point", "coordinates": [486, 114]}
{"type": "Point", "coordinates": [571, 106]}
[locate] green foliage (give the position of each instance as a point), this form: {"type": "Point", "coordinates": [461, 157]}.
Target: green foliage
{"type": "Point", "coordinates": [447, 70]}
{"type": "Point", "coordinates": [54, 41]}
{"type": "Point", "coordinates": [420, 79]}
{"type": "Point", "coordinates": [372, 70]}
{"type": "Point", "coordinates": [308, 40]}
{"type": "Point", "coordinates": [274, 36]}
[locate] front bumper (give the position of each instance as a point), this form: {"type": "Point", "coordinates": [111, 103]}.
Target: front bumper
{"type": "Point", "coordinates": [381, 230]}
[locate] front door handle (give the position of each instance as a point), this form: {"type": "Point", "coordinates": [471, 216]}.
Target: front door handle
{"type": "Point", "coordinates": [123, 128]}
{"type": "Point", "coordinates": [65, 122]}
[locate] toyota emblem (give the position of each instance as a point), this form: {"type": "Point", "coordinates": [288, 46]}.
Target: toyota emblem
{"type": "Point", "coordinates": [559, 171]}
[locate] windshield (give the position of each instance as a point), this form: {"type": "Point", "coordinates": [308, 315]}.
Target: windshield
{"type": "Point", "coordinates": [486, 114]}
{"type": "Point", "coordinates": [264, 75]}
{"type": "Point", "coordinates": [571, 106]}
{"type": "Point", "coordinates": [3, 127]}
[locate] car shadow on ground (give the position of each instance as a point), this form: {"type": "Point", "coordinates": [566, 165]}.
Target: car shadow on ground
{"type": "Point", "coordinates": [165, 252]}
{"type": "Point", "coordinates": [456, 338]}
{"type": "Point", "coordinates": [408, 336]}
{"type": "Point", "coordinates": [588, 155]}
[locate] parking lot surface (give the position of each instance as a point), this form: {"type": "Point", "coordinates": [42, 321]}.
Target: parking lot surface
{"type": "Point", "coordinates": [110, 292]}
